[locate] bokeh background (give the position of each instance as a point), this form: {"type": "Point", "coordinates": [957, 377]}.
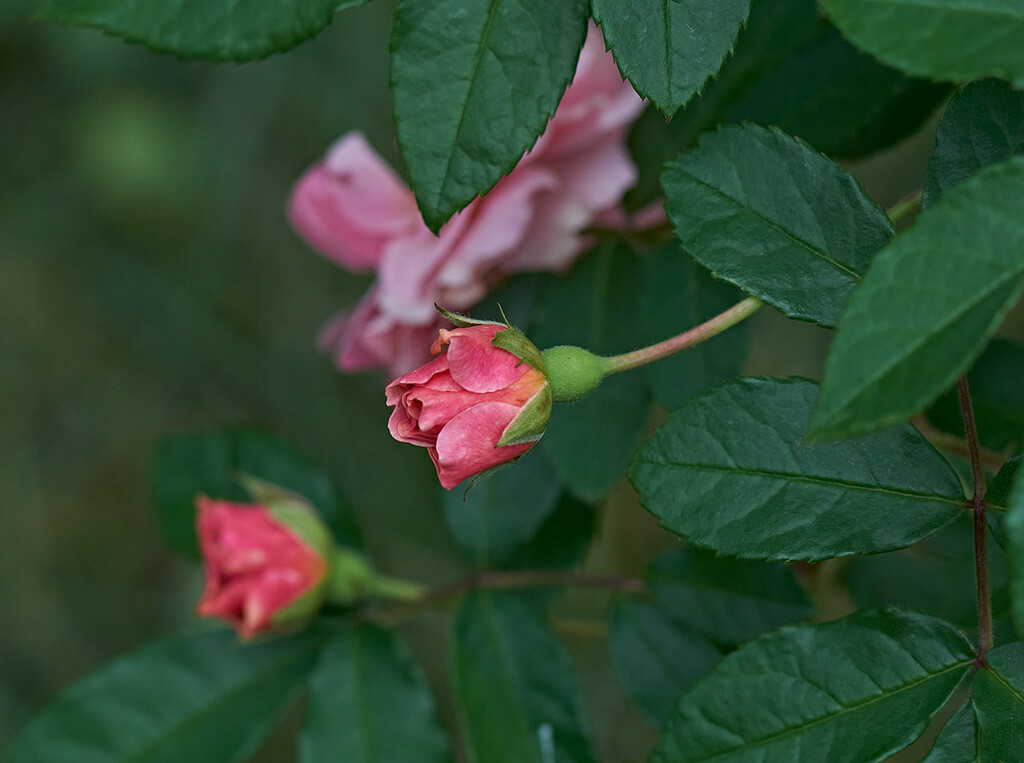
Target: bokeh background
{"type": "Point", "coordinates": [149, 283]}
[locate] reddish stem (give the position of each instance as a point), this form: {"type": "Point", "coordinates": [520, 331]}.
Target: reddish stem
{"type": "Point", "coordinates": [977, 506]}
{"type": "Point", "coordinates": [497, 580]}
{"type": "Point", "coordinates": [701, 333]}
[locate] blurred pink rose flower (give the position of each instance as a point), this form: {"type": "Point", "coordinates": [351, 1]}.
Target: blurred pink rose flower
{"type": "Point", "coordinates": [460, 404]}
{"type": "Point", "coordinates": [259, 570]}
{"type": "Point", "coordinates": [355, 210]}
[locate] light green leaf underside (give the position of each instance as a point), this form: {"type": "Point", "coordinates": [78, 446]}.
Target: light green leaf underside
{"type": "Point", "coordinates": [731, 472]}
{"type": "Point", "coordinates": [956, 40]}
{"type": "Point", "coordinates": [854, 689]}
{"type": "Point", "coordinates": [927, 306]}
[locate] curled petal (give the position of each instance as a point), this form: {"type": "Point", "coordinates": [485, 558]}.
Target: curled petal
{"type": "Point", "coordinates": [479, 366]}
{"type": "Point", "coordinates": [352, 204]}
{"type": "Point", "coordinates": [466, 445]}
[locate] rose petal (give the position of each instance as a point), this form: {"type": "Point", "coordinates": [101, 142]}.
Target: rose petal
{"type": "Point", "coordinates": [501, 220]}
{"type": "Point", "coordinates": [477, 365]}
{"type": "Point", "coordinates": [437, 367]}
{"type": "Point", "coordinates": [466, 445]}
{"type": "Point", "coordinates": [369, 338]}
{"type": "Point", "coordinates": [407, 275]}
{"type": "Point", "coordinates": [352, 204]}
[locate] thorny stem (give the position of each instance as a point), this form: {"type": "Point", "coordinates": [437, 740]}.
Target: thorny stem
{"type": "Point", "coordinates": [908, 204]}
{"type": "Point", "coordinates": [498, 580]}
{"type": "Point", "coordinates": [703, 332]}
{"type": "Point", "coordinates": [977, 505]}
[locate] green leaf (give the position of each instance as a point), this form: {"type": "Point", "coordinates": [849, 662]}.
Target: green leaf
{"type": "Point", "coordinates": [996, 394]}
{"type": "Point", "coordinates": [669, 49]}
{"type": "Point", "coordinates": [960, 267]}
{"type": "Point", "coordinates": [503, 510]}
{"type": "Point", "coordinates": [775, 30]}
{"type": "Point", "coordinates": [474, 83]}
{"type": "Point", "coordinates": [655, 657]}
{"type": "Point", "coordinates": [957, 742]}
{"type": "Point", "coordinates": [678, 294]}
{"type": "Point", "coordinates": [983, 124]}
{"type": "Point", "coordinates": [514, 684]}
{"type": "Point", "coordinates": [370, 703]}
{"type": "Point", "coordinates": [730, 471]}
{"type": "Point", "coordinates": [959, 40]}
{"type": "Point", "coordinates": [727, 600]}
{"type": "Point", "coordinates": [218, 30]}
{"type": "Point", "coordinates": [201, 696]}
{"type": "Point", "coordinates": [1013, 527]}
{"type": "Point", "coordinates": [839, 100]}
{"type": "Point", "coordinates": [776, 218]}
{"type": "Point", "coordinates": [589, 442]}
{"type": "Point", "coordinates": [997, 694]}
{"type": "Point", "coordinates": [210, 463]}
{"type": "Point", "coordinates": [858, 689]}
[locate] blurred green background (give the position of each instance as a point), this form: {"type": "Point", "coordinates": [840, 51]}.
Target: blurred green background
{"type": "Point", "coordinates": [149, 282]}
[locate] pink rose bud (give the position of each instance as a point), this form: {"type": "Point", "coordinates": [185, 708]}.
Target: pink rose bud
{"type": "Point", "coordinates": [265, 564]}
{"type": "Point", "coordinates": [483, 401]}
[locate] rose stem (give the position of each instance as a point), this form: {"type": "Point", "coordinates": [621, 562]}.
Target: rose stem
{"type": "Point", "coordinates": [494, 580]}
{"type": "Point", "coordinates": [977, 505]}
{"type": "Point", "coordinates": [703, 332]}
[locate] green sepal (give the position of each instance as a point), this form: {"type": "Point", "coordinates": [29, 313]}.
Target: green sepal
{"type": "Point", "coordinates": [266, 493]}
{"type": "Point", "coordinates": [532, 420]}
{"type": "Point", "coordinates": [303, 608]}
{"type": "Point", "coordinates": [304, 522]}
{"type": "Point", "coordinates": [515, 341]}
{"type": "Point", "coordinates": [302, 519]}
{"type": "Point", "coordinates": [464, 321]}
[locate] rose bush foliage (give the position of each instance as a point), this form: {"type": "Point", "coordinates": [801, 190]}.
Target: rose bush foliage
{"type": "Point", "coordinates": [726, 653]}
